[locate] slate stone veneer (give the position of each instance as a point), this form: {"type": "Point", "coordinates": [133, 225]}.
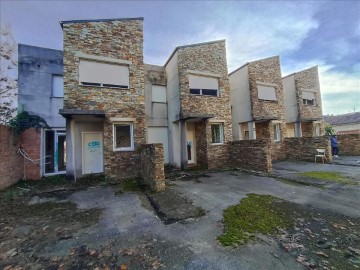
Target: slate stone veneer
{"type": "Point", "coordinates": [118, 39]}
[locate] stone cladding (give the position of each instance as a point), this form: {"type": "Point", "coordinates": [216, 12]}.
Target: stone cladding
{"type": "Point", "coordinates": [349, 144]}
{"type": "Point", "coordinates": [121, 39]}
{"type": "Point", "coordinates": [208, 58]}
{"type": "Point", "coordinates": [304, 148]}
{"type": "Point", "coordinates": [308, 80]}
{"type": "Point", "coordinates": [152, 166]}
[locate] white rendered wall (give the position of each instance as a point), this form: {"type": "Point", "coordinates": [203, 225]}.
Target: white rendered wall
{"type": "Point", "coordinates": [240, 99]}
{"type": "Point", "coordinates": [160, 135]}
{"type": "Point", "coordinates": [290, 101]}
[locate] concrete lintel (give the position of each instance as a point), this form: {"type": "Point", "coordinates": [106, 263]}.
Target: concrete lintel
{"type": "Point", "coordinates": [120, 119]}
{"type": "Point", "coordinates": [103, 59]}
{"type": "Point", "coordinates": [310, 119]}
{"type": "Point", "coordinates": [69, 113]}
{"type": "Point", "coordinates": [265, 118]}
{"type": "Point", "coordinates": [266, 84]}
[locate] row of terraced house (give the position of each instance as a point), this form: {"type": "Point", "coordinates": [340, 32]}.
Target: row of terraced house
{"type": "Point", "coordinates": [111, 102]}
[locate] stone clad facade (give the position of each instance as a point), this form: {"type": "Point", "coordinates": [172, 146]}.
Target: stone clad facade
{"type": "Point", "coordinates": [118, 40]}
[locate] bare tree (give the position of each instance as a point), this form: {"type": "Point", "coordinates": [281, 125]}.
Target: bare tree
{"type": "Point", "coordinates": [8, 72]}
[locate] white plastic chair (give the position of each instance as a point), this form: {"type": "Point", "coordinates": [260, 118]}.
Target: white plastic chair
{"type": "Point", "coordinates": [320, 153]}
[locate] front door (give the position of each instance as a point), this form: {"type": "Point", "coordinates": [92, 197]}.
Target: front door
{"type": "Point", "coordinates": [190, 143]}
{"type": "Point", "coordinates": [92, 152]}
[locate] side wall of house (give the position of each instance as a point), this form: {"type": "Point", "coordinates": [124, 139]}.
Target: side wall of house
{"type": "Point", "coordinates": [290, 100]}
{"type": "Point", "coordinates": [118, 40]}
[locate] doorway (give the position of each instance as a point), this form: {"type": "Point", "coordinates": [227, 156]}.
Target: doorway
{"type": "Point", "coordinates": [55, 151]}
{"type": "Point", "coordinates": [92, 152]}
{"type": "Point", "coordinates": [190, 143]}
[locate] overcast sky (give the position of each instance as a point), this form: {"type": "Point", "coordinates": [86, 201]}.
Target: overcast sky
{"type": "Point", "coordinates": [303, 33]}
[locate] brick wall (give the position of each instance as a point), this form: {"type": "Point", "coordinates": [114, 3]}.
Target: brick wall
{"type": "Point", "coordinates": [11, 163]}
{"type": "Point", "coordinates": [304, 148]}
{"type": "Point", "coordinates": [349, 144]}
{"type": "Point", "coordinates": [218, 156]}
{"type": "Point", "coordinates": [152, 166]}
{"type": "Point", "coordinates": [251, 154]}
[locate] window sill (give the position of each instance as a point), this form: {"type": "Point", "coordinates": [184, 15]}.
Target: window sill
{"type": "Point", "coordinates": [217, 143]}
{"type": "Point", "coordinates": [268, 100]}
{"type": "Point", "coordinates": [123, 149]}
{"type": "Point", "coordinates": [103, 87]}
{"type": "Point", "coordinates": [202, 95]}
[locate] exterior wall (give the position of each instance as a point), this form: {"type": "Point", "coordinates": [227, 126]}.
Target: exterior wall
{"type": "Point", "coordinates": [290, 99]}
{"type": "Point", "coordinates": [308, 80]}
{"type": "Point", "coordinates": [120, 40]}
{"type": "Point", "coordinates": [152, 166]}
{"type": "Point", "coordinates": [348, 128]}
{"type": "Point", "coordinates": [218, 156]}
{"type": "Point", "coordinates": [36, 68]}
{"type": "Point", "coordinates": [304, 149]}
{"type": "Point", "coordinates": [173, 99]}
{"type": "Point", "coordinates": [11, 163]}
{"type": "Point", "coordinates": [251, 154]}
{"type": "Point", "coordinates": [307, 129]}
{"type": "Point", "coordinates": [349, 144]}
{"type": "Point", "coordinates": [240, 100]}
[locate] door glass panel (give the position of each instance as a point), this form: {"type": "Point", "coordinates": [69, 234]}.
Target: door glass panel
{"type": "Point", "coordinates": [49, 151]}
{"type": "Point", "coordinates": [61, 153]}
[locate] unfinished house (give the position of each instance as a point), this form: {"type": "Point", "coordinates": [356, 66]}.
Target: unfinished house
{"type": "Point", "coordinates": [198, 98]}
{"type": "Point", "coordinates": [257, 103]}
{"type": "Point", "coordinates": [40, 92]}
{"type": "Point", "coordinates": [104, 103]}
{"type": "Point", "coordinates": [302, 99]}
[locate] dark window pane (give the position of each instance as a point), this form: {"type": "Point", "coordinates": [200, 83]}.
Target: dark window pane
{"type": "Point", "coordinates": [194, 91]}
{"type": "Point", "coordinates": [123, 136]}
{"type": "Point", "coordinates": [209, 92]}
{"type": "Point", "coordinates": [115, 85]}
{"type": "Point", "coordinates": [216, 134]}
{"type": "Point", "coordinates": [92, 84]}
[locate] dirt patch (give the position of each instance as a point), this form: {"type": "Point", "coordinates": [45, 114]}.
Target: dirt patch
{"type": "Point", "coordinates": [171, 207]}
{"type": "Point", "coordinates": [317, 238]}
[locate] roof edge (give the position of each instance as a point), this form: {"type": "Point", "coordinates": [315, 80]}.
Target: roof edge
{"type": "Point", "coordinates": [192, 45]}
{"type": "Point", "coordinates": [100, 20]}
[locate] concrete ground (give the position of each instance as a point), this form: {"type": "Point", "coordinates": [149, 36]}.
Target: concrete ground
{"type": "Point", "coordinates": [347, 160]}
{"type": "Point", "coordinates": [128, 221]}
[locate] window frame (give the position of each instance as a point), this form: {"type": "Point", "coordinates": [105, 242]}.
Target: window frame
{"type": "Point", "coordinates": [277, 133]}
{"type": "Point", "coordinates": [123, 149]}
{"type": "Point", "coordinates": [222, 140]}
{"type": "Point", "coordinates": [309, 102]}
{"type": "Point", "coordinates": [204, 89]}
{"type": "Point", "coordinates": [260, 87]}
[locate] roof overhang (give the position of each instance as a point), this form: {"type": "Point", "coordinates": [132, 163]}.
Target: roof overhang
{"type": "Point", "coordinates": [70, 113]}
{"type": "Point", "coordinates": [265, 118]}
{"type": "Point", "coordinates": [311, 119]}
{"type": "Point", "coordinates": [194, 117]}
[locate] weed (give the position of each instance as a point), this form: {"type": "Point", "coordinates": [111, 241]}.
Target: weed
{"type": "Point", "coordinates": [254, 214]}
{"type": "Point", "coordinates": [329, 176]}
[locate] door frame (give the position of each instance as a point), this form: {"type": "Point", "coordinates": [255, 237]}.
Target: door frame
{"type": "Point", "coordinates": [82, 150]}
{"type": "Point", "coordinates": [56, 131]}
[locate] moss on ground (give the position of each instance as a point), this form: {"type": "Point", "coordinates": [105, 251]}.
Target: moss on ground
{"type": "Point", "coordinates": [254, 214]}
{"type": "Point", "coordinates": [329, 176]}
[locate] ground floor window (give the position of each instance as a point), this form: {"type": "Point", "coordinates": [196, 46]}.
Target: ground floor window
{"type": "Point", "coordinates": [217, 133]}
{"type": "Point", "coordinates": [123, 137]}
{"type": "Point", "coordinates": [277, 134]}
{"type": "Point", "coordinates": [55, 151]}
{"type": "Point", "coordinates": [317, 130]}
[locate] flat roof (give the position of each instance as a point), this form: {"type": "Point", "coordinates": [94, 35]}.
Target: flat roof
{"type": "Point", "coordinates": [192, 45]}
{"type": "Point", "coordinates": [100, 20]}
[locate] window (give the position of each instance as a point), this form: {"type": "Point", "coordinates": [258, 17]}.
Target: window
{"type": "Point", "coordinates": [217, 134]}
{"type": "Point", "coordinates": [57, 86]}
{"type": "Point", "coordinates": [277, 135]}
{"type": "Point", "coordinates": [93, 73]}
{"type": "Point", "coordinates": [206, 86]}
{"type": "Point", "coordinates": [308, 98]}
{"type": "Point", "coordinates": [246, 135]}
{"type": "Point", "coordinates": [266, 92]}
{"type": "Point", "coordinates": [123, 137]}
{"type": "Point", "coordinates": [317, 130]}
{"type": "Point", "coordinates": [158, 93]}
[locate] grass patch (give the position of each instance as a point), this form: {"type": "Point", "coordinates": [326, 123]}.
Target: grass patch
{"type": "Point", "coordinates": [254, 214]}
{"type": "Point", "coordinates": [329, 176]}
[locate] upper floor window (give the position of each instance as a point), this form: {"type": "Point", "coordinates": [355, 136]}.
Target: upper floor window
{"type": "Point", "coordinates": [266, 92]}
{"type": "Point", "coordinates": [308, 98]}
{"type": "Point", "coordinates": [57, 86]}
{"type": "Point", "coordinates": [217, 133]}
{"type": "Point", "coordinates": [201, 85]}
{"type": "Point", "coordinates": [158, 93]}
{"type": "Point", "coordinates": [94, 73]}
{"type": "Point", "coordinates": [277, 134]}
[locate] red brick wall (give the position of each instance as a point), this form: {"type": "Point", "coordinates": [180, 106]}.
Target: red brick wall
{"type": "Point", "coordinates": [11, 163]}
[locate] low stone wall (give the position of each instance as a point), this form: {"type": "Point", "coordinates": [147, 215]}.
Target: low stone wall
{"type": "Point", "coordinates": [152, 166]}
{"type": "Point", "coordinates": [218, 156]}
{"type": "Point", "coordinates": [278, 151]}
{"type": "Point", "coordinates": [251, 154]}
{"type": "Point", "coordinates": [12, 163]}
{"type": "Point", "coordinates": [304, 148]}
{"type": "Point", "coordinates": [349, 144]}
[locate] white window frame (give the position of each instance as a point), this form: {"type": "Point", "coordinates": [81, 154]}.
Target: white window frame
{"type": "Point", "coordinates": [221, 133]}
{"type": "Point", "coordinates": [307, 102]}
{"type": "Point", "coordinates": [277, 133]}
{"type": "Point", "coordinates": [131, 148]}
